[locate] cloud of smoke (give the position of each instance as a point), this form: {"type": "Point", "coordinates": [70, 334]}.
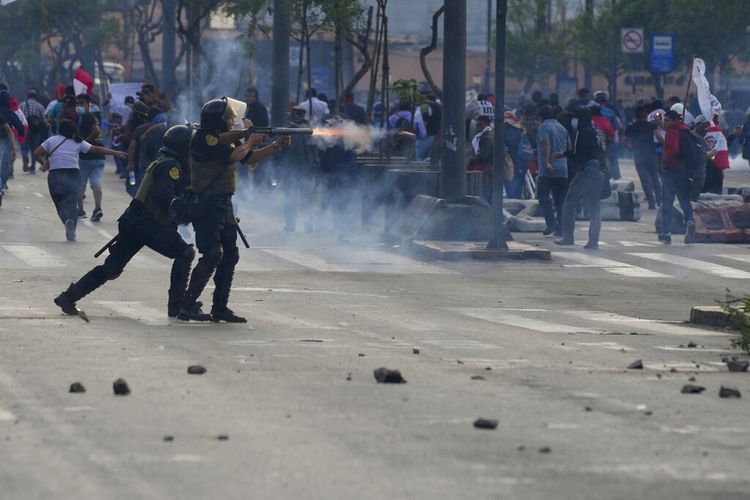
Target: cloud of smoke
{"type": "Point", "coordinates": [354, 137]}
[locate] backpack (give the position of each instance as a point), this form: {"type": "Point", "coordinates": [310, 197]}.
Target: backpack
{"type": "Point", "coordinates": [690, 152]}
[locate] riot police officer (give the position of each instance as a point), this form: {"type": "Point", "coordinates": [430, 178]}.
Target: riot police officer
{"type": "Point", "coordinates": [149, 222]}
{"type": "Point", "coordinates": [214, 154]}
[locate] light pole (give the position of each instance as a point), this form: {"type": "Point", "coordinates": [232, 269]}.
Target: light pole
{"type": "Point", "coordinates": [498, 236]}
{"type": "Point", "coordinates": [280, 68]}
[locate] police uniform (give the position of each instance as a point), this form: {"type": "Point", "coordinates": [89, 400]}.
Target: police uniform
{"type": "Point", "coordinates": [146, 222]}
{"type": "Point", "coordinates": [214, 179]}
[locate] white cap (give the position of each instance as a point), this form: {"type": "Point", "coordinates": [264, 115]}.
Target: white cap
{"type": "Point", "coordinates": [678, 107]}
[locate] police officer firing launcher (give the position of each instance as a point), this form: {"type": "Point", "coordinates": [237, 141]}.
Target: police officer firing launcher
{"type": "Point", "coordinates": [147, 222]}
{"type": "Point", "coordinates": [214, 154]}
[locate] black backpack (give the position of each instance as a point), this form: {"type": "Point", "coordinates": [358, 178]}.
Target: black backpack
{"type": "Point", "coordinates": [690, 151]}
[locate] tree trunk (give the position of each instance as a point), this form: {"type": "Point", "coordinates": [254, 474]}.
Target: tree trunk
{"type": "Point", "coordinates": [337, 59]}
{"type": "Point", "coordinates": [426, 51]}
{"type": "Point", "coordinates": [375, 64]}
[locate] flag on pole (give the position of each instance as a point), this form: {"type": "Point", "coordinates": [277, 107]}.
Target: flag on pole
{"type": "Point", "coordinates": [710, 108]}
{"type": "Point", "coordinates": [702, 89]}
{"type": "Point", "coordinates": [82, 82]}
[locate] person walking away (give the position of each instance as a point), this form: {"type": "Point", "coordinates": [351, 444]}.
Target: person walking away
{"type": "Point", "coordinates": [481, 154]}
{"type": "Point", "coordinates": [315, 109]}
{"type": "Point", "coordinates": [148, 221]}
{"type": "Point", "coordinates": [257, 113]}
{"type": "Point", "coordinates": [639, 138]}
{"type": "Point", "coordinates": [610, 113]}
{"type": "Point", "coordinates": [520, 150]}
{"type": "Point", "coordinates": [552, 183]}
{"type": "Point", "coordinates": [64, 179]}
{"type": "Point", "coordinates": [353, 111]}
{"type": "Point", "coordinates": [586, 169]}
{"type": "Point", "coordinates": [91, 165]}
{"type": "Point", "coordinates": [675, 180]}
{"type": "Point", "coordinates": [8, 148]}
{"type": "Point", "coordinates": [35, 116]}
{"type": "Point", "coordinates": [213, 179]}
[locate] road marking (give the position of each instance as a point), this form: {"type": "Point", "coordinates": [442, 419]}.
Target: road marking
{"type": "Point", "coordinates": [611, 266]}
{"type": "Point", "coordinates": [99, 230]}
{"type": "Point", "coordinates": [303, 291]}
{"type": "Point", "coordinates": [502, 317]}
{"type": "Point", "coordinates": [281, 319]}
{"type": "Point", "coordinates": [696, 265]}
{"type": "Point", "coordinates": [137, 311]}
{"type": "Point", "coordinates": [740, 257]}
{"type": "Point", "coordinates": [637, 244]}
{"type": "Point", "coordinates": [459, 344]}
{"type": "Point", "coordinates": [372, 261]}
{"type": "Point", "coordinates": [614, 346]}
{"type": "Point", "coordinates": [34, 256]}
{"type": "Point", "coordinates": [641, 323]}
{"type": "Point", "coordinates": [39, 195]}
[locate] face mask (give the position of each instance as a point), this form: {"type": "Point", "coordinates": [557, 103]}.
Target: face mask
{"type": "Point", "coordinates": [574, 123]}
{"type": "Point", "coordinates": [80, 110]}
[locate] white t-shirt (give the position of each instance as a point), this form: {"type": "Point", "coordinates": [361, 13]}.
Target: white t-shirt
{"type": "Point", "coordinates": [66, 155]}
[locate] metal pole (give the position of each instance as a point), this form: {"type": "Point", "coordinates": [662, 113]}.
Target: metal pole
{"type": "Point", "coordinates": [613, 61]}
{"type": "Point", "coordinates": [168, 46]}
{"type": "Point", "coordinates": [488, 63]}
{"type": "Point", "coordinates": [280, 70]}
{"type": "Point", "coordinates": [452, 172]}
{"type": "Point", "coordinates": [498, 237]}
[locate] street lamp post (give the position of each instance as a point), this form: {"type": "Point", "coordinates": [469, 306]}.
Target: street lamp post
{"type": "Point", "coordinates": [498, 236]}
{"type": "Point", "coordinates": [280, 68]}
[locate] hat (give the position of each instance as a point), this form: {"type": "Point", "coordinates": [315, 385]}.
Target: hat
{"type": "Point", "coordinates": [601, 96]}
{"type": "Point", "coordinates": [139, 108]}
{"type": "Point", "coordinates": [700, 119]}
{"type": "Point", "coordinates": [679, 107]}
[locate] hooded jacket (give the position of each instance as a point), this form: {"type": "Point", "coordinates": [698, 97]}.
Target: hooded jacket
{"type": "Point", "coordinates": [670, 159]}
{"type": "Point", "coordinates": [9, 115]}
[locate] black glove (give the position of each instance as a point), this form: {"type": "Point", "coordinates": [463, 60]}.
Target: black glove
{"type": "Point", "coordinates": [178, 210]}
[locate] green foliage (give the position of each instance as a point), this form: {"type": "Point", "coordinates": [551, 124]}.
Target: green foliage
{"type": "Point", "coordinates": [738, 309]}
{"type": "Point", "coordinates": [404, 89]}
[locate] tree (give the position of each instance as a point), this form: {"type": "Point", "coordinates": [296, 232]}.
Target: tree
{"type": "Point", "coordinates": [252, 14]}
{"type": "Point", "coordinates": [307, 18]}
{"type": "Point", "coordinates": [192, 16]}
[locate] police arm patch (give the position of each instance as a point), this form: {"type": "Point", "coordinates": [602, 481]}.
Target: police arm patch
{"type": "Point", "coordinates": [174, 173]}
{"type": "Point", "coordinates": [212, 140]}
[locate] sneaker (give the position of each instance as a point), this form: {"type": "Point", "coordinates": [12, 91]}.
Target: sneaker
{"type": "Point", "coordinates": [564, 242]}
{"type": "Point", "coordinates": [70, 230]}
{"type": "Point", "coordinates": [591, 245]}
{"type": "Point", "coordinates": [225, 314]}
{"type": "Point", "coordinates": [666, 239]}
{"type": "Point", "coordinates": [82, 214]}
{"type": "Point", "coordinates": [690, 232]}
{"type": "Point", "coordinates": [96, 215]}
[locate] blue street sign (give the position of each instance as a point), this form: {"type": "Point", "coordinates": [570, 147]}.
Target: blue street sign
{"type": "Point", "coordinates": [662, 53]}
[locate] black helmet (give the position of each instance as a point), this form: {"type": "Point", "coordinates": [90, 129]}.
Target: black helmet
{"type": "Point", "coordinates": [213, 114]}
{"type": "Point", "coordinates": [176, 141]}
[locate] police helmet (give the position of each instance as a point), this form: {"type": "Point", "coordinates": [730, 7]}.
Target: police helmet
{"type": "Point", "coordinates": [213, 114]}
{"type": "Point", "coordinates": [176, 141]}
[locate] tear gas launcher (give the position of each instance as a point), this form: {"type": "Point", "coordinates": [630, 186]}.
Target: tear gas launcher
{"type": "Point", "coordinates": [278, 131]}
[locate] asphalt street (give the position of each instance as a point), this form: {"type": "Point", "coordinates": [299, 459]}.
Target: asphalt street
{"type": "Point", "coordinates": [541, 347]}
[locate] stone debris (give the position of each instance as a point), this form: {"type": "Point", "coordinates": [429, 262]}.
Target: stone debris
{"type": "Point", "coordinates": [692, 345]}
{"type": "Point", "coordinates": [120, 387]}
{"type": "Point", "coordinates": [348, 377]}
{"type": "Point", "coordinates": [737, 366]}
{"type": "Point", "coordinates": [545, 449]}
{"type": "Point", "coordinates": [636, 365]}
{"type": "Point", "coordinates": [386, 376]}
{"type": "Point", "coordinates": [485, 423]}
{"type": "Point", "coordinates": [222, 437]}
{"type": "Point", "coordinates": [415, 351]}
{"type": "Point", "coordinates": [168, 439]}
{"type": "Point", "coordinates": [673, 370]}
{"type": "Point", "coordinates": [692, 389]}
{"type": "Point", "coordinates": [691, 379]}
{"type": "Point", "coordinates": [459, 362]}
{"type": "Point", "coordinates": [588, 408]}
{"type": "Point", "coordinates": [478, 377]}
{"type": "Point", "coordinates": [729, 392]}
{"type": "Point", "coordinates": [77, 388]}
{"type": "Point", "coordinates": [521, 448]}
{"type": "Point", "coordinates": [361, 355]}
{"type": "Point", "coordinates": [196, 370]}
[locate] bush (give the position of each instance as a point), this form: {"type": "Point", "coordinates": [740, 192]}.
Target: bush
{"type": "Point", "coordinates": [738, 309]}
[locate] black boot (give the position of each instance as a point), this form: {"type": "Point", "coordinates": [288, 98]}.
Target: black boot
{"type": "Point", "coordinates": [179, 281]}
{"type": "Point", "coordinates": [193, 312]}
{"type": "Point", "coordinates": [223, 281]}
{"type": "Point", "coordinates": [76, 291]}
{"type": "Point", "coordinates": [190, 310]}
{"type": "Point", "coordinates": [225, 314]}
{"type": "Point", "coordinates": [68, 305]}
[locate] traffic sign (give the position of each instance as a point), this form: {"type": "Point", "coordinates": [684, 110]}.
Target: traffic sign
{"type": "Point", "coordinates": [662, 53]}
{"type": "Point", "coordinates": [632, 40]}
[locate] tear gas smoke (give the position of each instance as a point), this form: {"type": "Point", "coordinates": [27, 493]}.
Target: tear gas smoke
{"type": "Point", "coordinates": [354, 137]}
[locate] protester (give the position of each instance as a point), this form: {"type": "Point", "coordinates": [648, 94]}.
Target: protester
{"type": "Point", "coordinates": [609, 112]}
{"type": "Point", "coordinates": [353, 111]}
{"type": "Point", "coordinates": [91, 164]}
{"type": "Point", "coordinates": [7, 153]}
{"type": "Point", "coordinates": [430, 114]}
{"type": "Point", "coordinates": [716, 141]}
{"type": "Point", "coordinates": [675, 177]}
{"type": "Point", "coordinates": [553, 170]}
{"type": "Point", "coordinates": [520, 150]}
{"type": "Point", "coordinates": [64, 179]}
{"type": "Point", "coordinates": [8, 149]}
{"type": "Point", "coordinates": [297, 168]}
{"type": "Point", "coordinates": [315, 109]}
{"type": "Point", "coordinates": [639, 138]}
{"type": "Point", "coordinates": [481, 154]}
{"type": "Point", "coordinates": [256, 112]}
{"type": "Point", "coordinates": [35, 116]}
{"type": "Point", "coordinates": [338, 170]}
{"type": "Point", "coordinates": [586, 169]}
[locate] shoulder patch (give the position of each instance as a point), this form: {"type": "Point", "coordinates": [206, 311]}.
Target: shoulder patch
{"type": "Point", "coordinates": [212, 140]}
{"type": "Point", "coordinates": [174, 173]}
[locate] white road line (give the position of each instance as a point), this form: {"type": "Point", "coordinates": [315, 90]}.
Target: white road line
{"type": "Point", "coordinates": [637, 244]}
{"type": "Point", "coordinates": [34, 256]}
{"type": "Point", "coordinates": [611, 266]}
{"type": "Point", "coordinates": [6, 416]}
{"type": "Point", "coordinates": [696, 265]}
{"type": "Point", "coordinates": [99, 230]}
{"type": "Point", "coordinates": [459, 344]}
{"type": "Point", "coordinates": [399, 264]}
{"type": "Point", "coordinates": [281, 319]}
{"type": "Point", "coordinates": [644, 324]}
{"type": "Point", "coordinates": [504, 318]}
{"type": "Point", "coordinates": [137, 311]}
{"type": "Point", "coordinates": [739, 257]}
{"type": "Point", "coordinates": [39, 195]}
{"type": "Point", "coordinates": [251, 266]}
{"type": "Point", "coordinates": [303, 291]}
{"type": "Point", "coordinates": [358, 261]}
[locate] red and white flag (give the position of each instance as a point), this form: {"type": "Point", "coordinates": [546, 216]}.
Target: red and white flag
{"type": "Point", "coordinates": [82, 82]}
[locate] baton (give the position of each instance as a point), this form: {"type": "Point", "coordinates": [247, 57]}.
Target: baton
{"type": "Point", "coordinates": [106, 246]}
{"type": "Point", "coordinates": [242, 235]}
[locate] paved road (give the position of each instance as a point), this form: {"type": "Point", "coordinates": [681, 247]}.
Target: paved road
{"type": "Point", "coordinates": [294, 390]}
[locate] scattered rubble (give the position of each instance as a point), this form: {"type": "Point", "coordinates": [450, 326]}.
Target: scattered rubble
{"type": "Point", "coordinates": [222, 437]}
{"type": "Point", "coordinates": [120, 387]}
{"type": "Point", "coordinates": [76, 388]}
{"type": "Point", "coordinates": [348, 377]}
{"type": "Point", "coordinates": [692, 389]}
{"type": "Point", "coordinates": [386, 376]}
{"type": "Point", "coordinates": [588, 408]}
{"type": "Point", "coordinates": [636, 365]}
{"type": "Point", "coordinates": [729, 392]}
{"type": "Point", "coordinates": [415, 351]}
{"type": "Point", "coordinates": [361, 355]}
{"type": "Point", "coordinates": [737, 366]}
{"type": "Point", "coordinates": [196, 370]}
{"type": "Point", "coordinates": [485, 423]}
{"type": "Point", "coordinates": [691, 379]}
{"type": "Point", "coordinates": [168, 439]}
{"type": "Point", "coordinates": [545, 449]}
{"type": "Point", "coordinates": [692, 345]}
{"type": "Point", "coordinates": [478, 377]}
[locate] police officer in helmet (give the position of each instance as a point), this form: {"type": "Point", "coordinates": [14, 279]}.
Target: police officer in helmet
{"type": "Point", "coordinates": [215, 150]}
{"type": "Point", "coordinates": [149, 222]}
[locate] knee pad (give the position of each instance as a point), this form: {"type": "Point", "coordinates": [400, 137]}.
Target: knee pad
{"type": "Point", "coordinates": [189, 253]}
{"type": "Point", "coordinates": [213, 255]}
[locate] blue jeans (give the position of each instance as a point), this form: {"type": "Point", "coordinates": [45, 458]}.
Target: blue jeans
{"type": "Point", "coordinates": [6, 166]}
{"type": "Point", "coordinates": [557, 187]}
{"type": "Point", "coordinates": [674, 184]}
{"type": "Point", "coordinates": [424, 147]}
{"type": "Point", "coordinates": [585, 187]}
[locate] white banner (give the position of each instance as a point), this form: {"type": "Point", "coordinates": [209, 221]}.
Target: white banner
{"type": "Point", "coordinates": [710, 105]}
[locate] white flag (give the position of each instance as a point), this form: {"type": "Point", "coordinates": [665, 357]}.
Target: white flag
{"type": "Point", "coordinates": [710, 105]}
